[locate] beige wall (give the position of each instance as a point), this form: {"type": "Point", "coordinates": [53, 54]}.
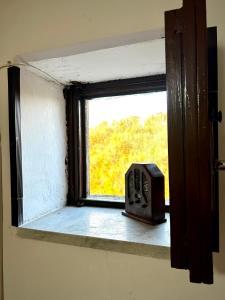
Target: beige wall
{"type": "Point", "coordinates": [40, 270]}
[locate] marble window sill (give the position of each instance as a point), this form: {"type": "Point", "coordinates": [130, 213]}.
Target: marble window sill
{"type": "Point", "coordinates": [100, 228]}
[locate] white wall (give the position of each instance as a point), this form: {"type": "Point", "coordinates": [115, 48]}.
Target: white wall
{"type": "Point", "coordinates": [41, 270]}
{"type": "Point", "coordinates": [43, 133]}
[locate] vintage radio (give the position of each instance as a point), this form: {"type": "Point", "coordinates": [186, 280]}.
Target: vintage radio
{"type": "Point", "coordinates": [144, 194]}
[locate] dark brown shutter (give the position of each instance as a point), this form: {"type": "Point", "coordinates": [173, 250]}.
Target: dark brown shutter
{"type": "Point", "coordinates": [189, 140]}
{"type": "Point", "coordinates": [15, 145]}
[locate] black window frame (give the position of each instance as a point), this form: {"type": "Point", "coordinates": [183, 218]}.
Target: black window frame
{"type": "Point", "coordinates": [76, 95]}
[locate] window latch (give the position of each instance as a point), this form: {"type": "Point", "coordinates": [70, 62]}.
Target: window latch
{"type": "Point", "coordinates": [220, 165]}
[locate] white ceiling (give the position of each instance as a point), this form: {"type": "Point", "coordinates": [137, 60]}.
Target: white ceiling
{"type": "Point", "coordinates": [135, 60]}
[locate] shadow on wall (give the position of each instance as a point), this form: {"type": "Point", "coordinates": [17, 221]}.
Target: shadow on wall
{"type": "Point", "coordinates": [1, 227]}
{"type": "Point", "coordinates": [219, 258]}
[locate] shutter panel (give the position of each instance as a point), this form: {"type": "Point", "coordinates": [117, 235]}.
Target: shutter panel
{"type": "Point", "coordinates": [189, 140]}
{"type": "Point", "coordinates": [15, 145]}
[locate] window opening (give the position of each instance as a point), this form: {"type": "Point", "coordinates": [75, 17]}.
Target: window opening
{"type": "Point", "coordinates": [123, 130]}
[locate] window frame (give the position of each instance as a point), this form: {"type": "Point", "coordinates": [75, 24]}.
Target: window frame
{"type": "Point", "coordinates": [76, 95]}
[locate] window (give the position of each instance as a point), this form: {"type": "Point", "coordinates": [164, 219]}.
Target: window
{"type": "Point", "coordinates": [122, 130]}
{"type": "Point", "coordinates": [192, 138]}
{"type": "Point", "coordinates": [100, 117]}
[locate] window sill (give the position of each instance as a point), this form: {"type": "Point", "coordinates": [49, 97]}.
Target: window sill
{"type": "Point", "coordinates": [100, 228]}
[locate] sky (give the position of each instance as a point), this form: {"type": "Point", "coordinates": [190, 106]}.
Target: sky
{"type": "Point", "coordinates": [120, 107]}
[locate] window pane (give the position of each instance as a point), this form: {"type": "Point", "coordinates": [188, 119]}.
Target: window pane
{"type": "Point", "coordinates": [124, 130]}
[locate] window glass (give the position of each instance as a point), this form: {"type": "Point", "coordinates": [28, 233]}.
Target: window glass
{"type": "Point", "coordinates": [123, 130]}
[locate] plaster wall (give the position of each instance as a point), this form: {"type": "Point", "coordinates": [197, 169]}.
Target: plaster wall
{"type": "Point", "coordinates": [43, 134]}
{"type": "Point", "coordinates": [42, 270]}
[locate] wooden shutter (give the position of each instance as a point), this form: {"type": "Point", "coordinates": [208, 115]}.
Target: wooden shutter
{"type": "Point", "coordinates": [15, 145]}
{"type": "Point", "coordinates": [189, 140]}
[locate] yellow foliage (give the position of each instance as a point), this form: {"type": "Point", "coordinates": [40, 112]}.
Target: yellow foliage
{"type": "Point", "coordinates": [114, 147]}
